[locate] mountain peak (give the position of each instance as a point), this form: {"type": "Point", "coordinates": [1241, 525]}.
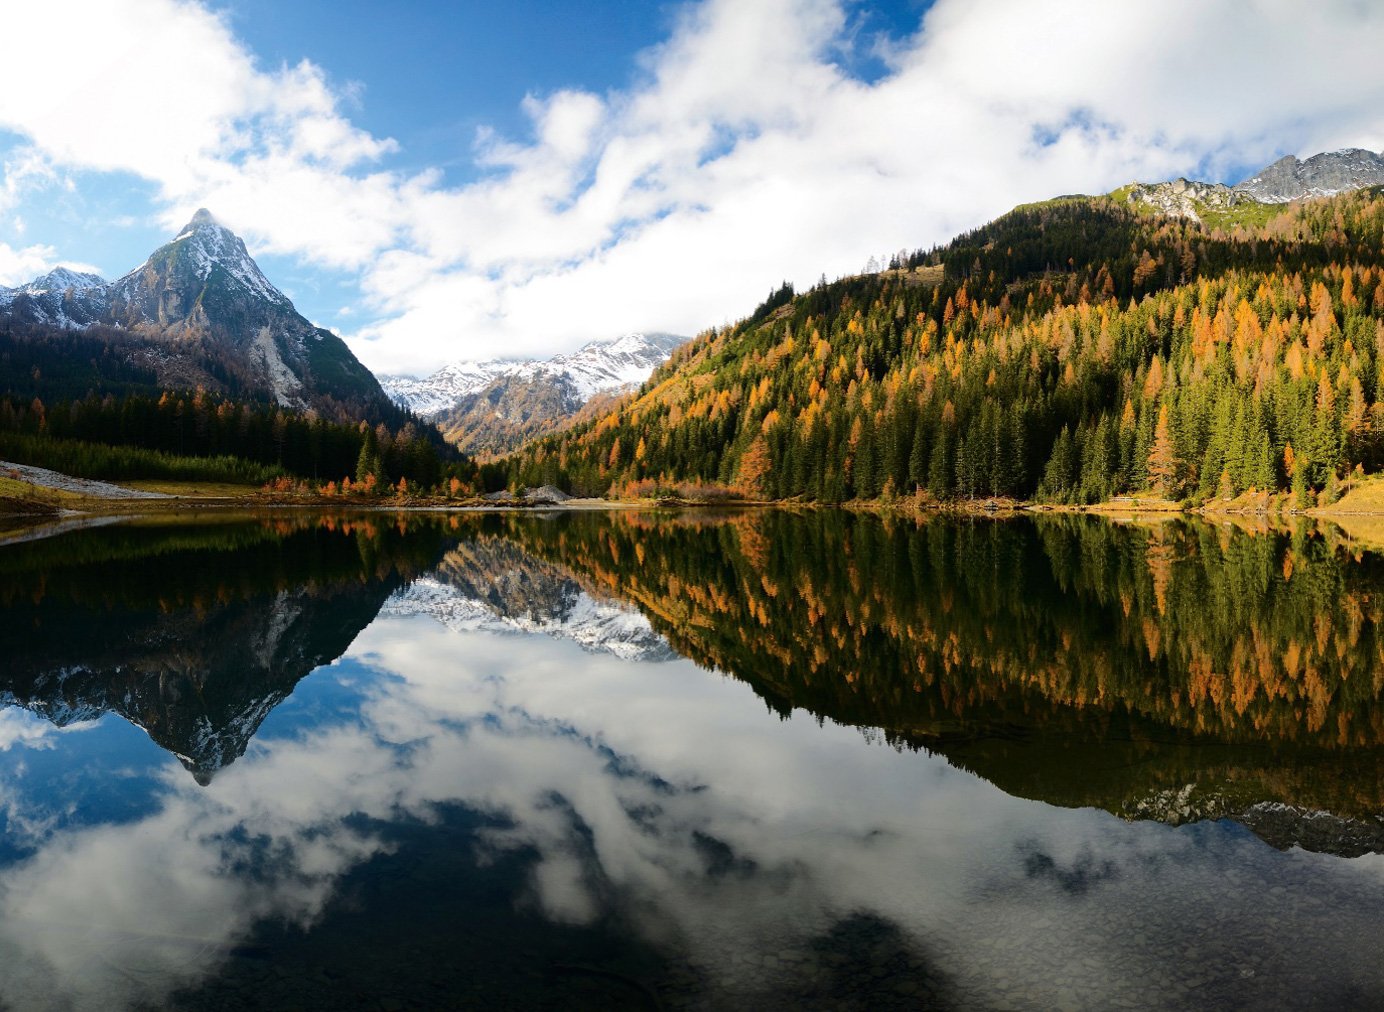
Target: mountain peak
{"type": "Point", "coordinates": [61, 278]}
{"type": "Point", "coordinates": [202, 217]}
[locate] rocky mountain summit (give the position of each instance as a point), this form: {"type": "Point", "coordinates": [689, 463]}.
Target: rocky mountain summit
{"type": "Point", "coordinates": [1287, 179]}
{"type": "Point", "coordinates": [200, 312]}
{"type": "Point", "coordinates": [1186, 198]}
{"type": "Point", "coordinates": [493, 407]}
{"type": "Point", "coordinates": [1322, 175]}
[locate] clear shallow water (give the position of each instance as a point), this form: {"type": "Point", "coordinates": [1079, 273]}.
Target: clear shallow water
{"type": "Point", "coordinates": [635, 761]}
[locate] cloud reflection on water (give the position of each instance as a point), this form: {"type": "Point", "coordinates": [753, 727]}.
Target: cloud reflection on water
{"type": "Point", "coordinates": [720, 830]}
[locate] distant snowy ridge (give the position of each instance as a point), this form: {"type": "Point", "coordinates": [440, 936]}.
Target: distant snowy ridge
{"type": "Point", "coordinates": [597, 368]}
{"type": "Point", "coordinates": [434, 394]}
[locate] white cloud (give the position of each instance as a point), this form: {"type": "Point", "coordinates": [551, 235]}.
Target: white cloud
{"type": "Point", "coordinates": [743, 154]}
{"type": "Point", "coordinates": [18, 266]}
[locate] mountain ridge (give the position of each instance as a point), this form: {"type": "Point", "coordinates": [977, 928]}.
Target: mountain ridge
{"type": "Point", "coordinates": [1286, 180]}
{"type": "Point", "coordinates": [1322, 175]}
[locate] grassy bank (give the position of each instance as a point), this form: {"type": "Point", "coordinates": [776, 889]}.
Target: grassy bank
{"type": "Point", "coordinates": [20, 499]}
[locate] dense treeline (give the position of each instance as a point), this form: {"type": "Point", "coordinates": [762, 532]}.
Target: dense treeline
{"type": "Point", "coordinates": [1067, 352]}
{"type": "Point", "coordinates": [63, 365]}
{"type": "Point", "coordinates": [129, 463]}
{"type": "Point", "coordinates": [165, 435]}
{"type": "Point", "coordinates": [131, 570]}
{"type": "Point", "coordinates": [56, 365]}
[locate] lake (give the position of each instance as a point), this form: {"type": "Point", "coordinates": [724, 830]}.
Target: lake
{"type": "Point", "coordinates": [638, 760]}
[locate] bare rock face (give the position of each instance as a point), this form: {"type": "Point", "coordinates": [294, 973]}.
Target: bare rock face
{"type": "Point", "coordinates": [1183, 198]}
{"type": "Point", "coordinates": [1321, 175]}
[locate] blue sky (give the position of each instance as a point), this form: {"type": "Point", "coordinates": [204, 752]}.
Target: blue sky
{"type": "Point", "coordinates": [438, 181]}
{"type": "Point", "coordinates": [432, 74]}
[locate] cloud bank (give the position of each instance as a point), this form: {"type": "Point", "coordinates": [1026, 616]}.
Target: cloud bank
{"type": "Point", "coordinates": [745, 152]}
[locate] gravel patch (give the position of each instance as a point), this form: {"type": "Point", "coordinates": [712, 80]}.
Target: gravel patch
{"type": "Point", "coordinates": [45, 478]}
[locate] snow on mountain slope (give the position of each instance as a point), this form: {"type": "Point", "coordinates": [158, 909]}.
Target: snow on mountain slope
{"type": "Point", "coordinates": [596, 368]}
{"type": "Point", "coordinates": [61, 298]}
{"type": "Point", "coordinates": [608, 366]}
{"type": "Point", "coordinates": [1322, 175]}
{"type": "Point", "coordinates": [204, 283]}
{"type": "Point", "coordinates": [203, 251]}
{"type": "Point", "coordinates": [60, 279]}
{"type": "Point", "coordinates": [436, 393]}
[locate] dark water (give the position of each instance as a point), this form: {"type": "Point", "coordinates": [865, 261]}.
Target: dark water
{"type": "Point", "coordinates": [646, 761]}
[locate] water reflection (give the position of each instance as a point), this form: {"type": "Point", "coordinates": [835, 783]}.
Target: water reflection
{"type": "Point", "coordinates": [450, 811]}
{"type": "Point", "coordinates": [193, 633]}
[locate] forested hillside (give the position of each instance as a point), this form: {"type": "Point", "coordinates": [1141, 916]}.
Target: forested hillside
{"type": "Point", "coordinates": [1068, 351]}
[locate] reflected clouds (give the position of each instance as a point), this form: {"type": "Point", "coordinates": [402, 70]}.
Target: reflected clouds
{"type": "Point", "coordinates": [718, 829]}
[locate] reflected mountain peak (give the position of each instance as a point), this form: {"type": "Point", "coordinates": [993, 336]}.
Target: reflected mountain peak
{"type": "Point", "coordinates": [493, 585]}
{"type": "Point", "coordinates": [195, 654]}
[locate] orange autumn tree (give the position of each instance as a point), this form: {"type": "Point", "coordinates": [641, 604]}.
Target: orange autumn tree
{"type": "Point", "coordinates": [1162, 460]}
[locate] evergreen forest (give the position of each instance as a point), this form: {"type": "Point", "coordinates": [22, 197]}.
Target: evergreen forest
{"type": "Point", "coordinates": [202, 436]}
{"type": "Point", "coordinates": [1067, 352]}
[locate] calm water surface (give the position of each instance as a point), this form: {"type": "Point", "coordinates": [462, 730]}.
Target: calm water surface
{"type": "Point", "coordinates": [660, 761]}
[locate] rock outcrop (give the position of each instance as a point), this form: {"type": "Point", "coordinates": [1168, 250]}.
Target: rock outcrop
{"type": "Point", "coordinates": [1185, 198]}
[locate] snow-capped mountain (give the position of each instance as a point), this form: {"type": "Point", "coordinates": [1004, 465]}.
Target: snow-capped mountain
{"type": "Point", "coordinates": [204, 258]}
{"type": "Point", "coordinates": [430, 396]}
{"type": "Point", "coordinates": [597, 367]}
{"type": "Point", "coordinates": [59, 279]}
{"type": "Point", "coordinates": [55, 295]}
{"type": "Point", "coordinates": [1322, 175]}
{"type": "Point", "coordinates": [241, 332]}
{"type": "Point", "coordinates": [493, 407]}
{"type": "Point", "coordinates": [603, 367]}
